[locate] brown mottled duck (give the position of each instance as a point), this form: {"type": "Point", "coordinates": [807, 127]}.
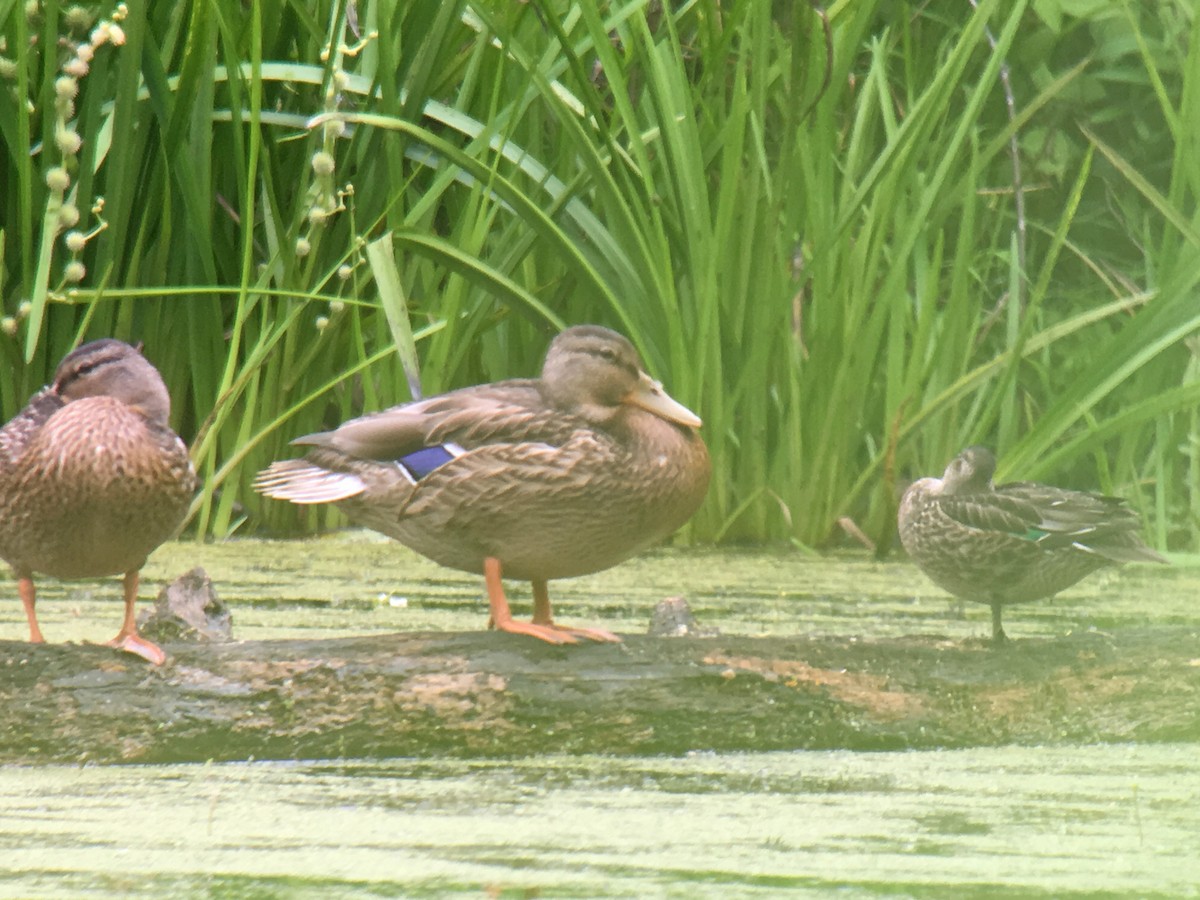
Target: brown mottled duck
{"type": "Point", "coordinates": [533, 479]}
{"type": "Point", "coordinates": [92, 479]}
{"type": "Point", "coordinates": [1008, 543]}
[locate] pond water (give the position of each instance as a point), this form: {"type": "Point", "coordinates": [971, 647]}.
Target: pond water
{"type": "Point", "coordinates": [1115, 821]}
{"type": "Point", "coordinates": [358, 582]}
{"type": "Point", "coordinates": [1095, 821]}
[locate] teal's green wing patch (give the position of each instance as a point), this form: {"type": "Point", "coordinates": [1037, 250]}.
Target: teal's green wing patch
{"type": "Point", "coordinates": [994, 512]}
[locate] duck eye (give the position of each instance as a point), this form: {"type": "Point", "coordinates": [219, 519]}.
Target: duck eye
{"type": "Point", "coordinates": [608, 354]}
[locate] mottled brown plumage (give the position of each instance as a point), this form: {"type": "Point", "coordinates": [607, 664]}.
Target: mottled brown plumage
{"type": "Point", "coordinates": [1000, 544]}
{"type": "Point", "coordinates": [92, 478]}
{"type": "Point", "coordinates": [538, 478]}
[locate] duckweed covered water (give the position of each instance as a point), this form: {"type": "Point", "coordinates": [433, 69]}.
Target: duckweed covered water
{"type": "Point", "coordinates": [359, 583]}
{"type": "Point", "coordinates": [1096, 821]}
{"type": "Point", "coordinates": [1035, 822]}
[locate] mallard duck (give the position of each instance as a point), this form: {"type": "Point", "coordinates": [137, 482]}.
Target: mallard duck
{"type": "Point", "coordinates": [92, 479]}
{"type": "Point", "coordinates": [533, 479]}
{"type": "Point", "coordinates": [1012, 542]}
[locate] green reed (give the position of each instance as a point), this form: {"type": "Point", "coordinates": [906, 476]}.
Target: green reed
{"type": "Point", "coordinates": [805, 218]}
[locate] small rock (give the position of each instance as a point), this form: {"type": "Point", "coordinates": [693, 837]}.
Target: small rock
{"type": "Point", "coordinates": [673, 618]}
{"type": "Point", "coordinates": [188, 609]}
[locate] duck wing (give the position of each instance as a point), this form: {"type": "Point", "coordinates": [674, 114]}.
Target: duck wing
{"type": "Point", "coordinates": [992, 511]}
{"type": "Point", "coordinates": [504, 427]}
{"type": "Point", "coordinates": [1094, 523]}
{"type": "Point", "coordinates": [17, 433]}
{"type": "Point", "coordinates": [506, 412]}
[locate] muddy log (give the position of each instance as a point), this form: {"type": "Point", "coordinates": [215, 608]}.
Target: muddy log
{"type": "Point", "coordinates": [485, 694]}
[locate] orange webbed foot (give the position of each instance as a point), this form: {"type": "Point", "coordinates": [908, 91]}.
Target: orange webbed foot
{"type": "Point", "coordinates": [542, 626]}
{"type": "Point", "coordinates": [591, 634]}
{"type": "Point", "coordinates": [551, 634]}
{"type": "Point", "coordinates": [137, 645]}
{"type": "Point", "coordinates": [544, 617]}
{"type": "Point", "coordinates": [127, 638]}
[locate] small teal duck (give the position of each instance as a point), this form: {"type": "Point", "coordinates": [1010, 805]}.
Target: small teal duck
{"type": "Point", "coordinates": [534, 479]}
{"type": "Point", "coordinates": [92, 479]}
{"type": "Point", "coordinates": [1012, 542]}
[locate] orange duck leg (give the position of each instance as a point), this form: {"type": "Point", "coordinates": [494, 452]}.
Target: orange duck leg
{"type": "Point", "coordinates": [542, 616]}
{"type": "Point", "coordinates": [502, 619]}
{"type": "Point", "coordinates": [28, 594]}
{"type": "Point", "coordinates": [127, 638]}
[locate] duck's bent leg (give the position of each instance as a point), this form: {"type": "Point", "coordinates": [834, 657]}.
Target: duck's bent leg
{"type": "Point", "coordinates": [28, 595]}
{"type": "Point", "coordinates": [999, 638]}
{"type": "Point", "coordinates": [543, 616]}
{"type": "Point", "coordinates": [127, 638]}
{"type": "Point", "coordinates": [502, 619]}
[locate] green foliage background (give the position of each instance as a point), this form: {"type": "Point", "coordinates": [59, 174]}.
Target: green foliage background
{"type": "Point", "coordinates": [854, 238]}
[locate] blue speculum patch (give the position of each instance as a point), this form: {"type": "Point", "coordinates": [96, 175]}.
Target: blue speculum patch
{"type": "Point", "coordinates": [421, 462]}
